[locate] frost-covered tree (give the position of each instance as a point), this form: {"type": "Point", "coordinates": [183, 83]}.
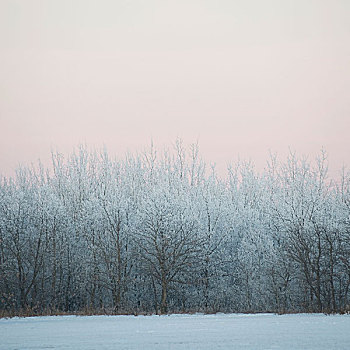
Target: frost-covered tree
{"type": "Point", "coordinates": [160, 231]}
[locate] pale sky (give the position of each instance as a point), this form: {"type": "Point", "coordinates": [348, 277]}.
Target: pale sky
{"type": "Point", "coordinates": [241, 77]}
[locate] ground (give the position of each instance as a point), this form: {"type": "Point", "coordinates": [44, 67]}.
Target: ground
{"type": "Point", "coordinates": [220, 331]}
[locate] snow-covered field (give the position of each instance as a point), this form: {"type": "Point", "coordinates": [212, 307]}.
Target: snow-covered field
{"type": "Point", "coordinates": [233, 331]}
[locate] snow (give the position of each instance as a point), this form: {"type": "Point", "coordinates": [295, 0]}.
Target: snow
{"type": "Point", "coordinates": [220, 331]}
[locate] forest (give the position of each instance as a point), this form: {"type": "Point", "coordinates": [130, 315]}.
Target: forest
{"type": "Point", "coordinates": [160, 232]}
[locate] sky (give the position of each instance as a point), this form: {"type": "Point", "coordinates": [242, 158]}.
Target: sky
{"type": "Point", "coordinates": [241, 77]}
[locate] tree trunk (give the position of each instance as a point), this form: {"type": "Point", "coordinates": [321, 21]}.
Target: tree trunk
{"type": "Point", "coordinates": [164, 305]}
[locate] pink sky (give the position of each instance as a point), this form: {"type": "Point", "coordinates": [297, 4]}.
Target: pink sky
{"type": "Point", "coordinates": [242, 77]}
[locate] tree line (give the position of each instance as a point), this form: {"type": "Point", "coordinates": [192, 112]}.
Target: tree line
{"type": "Point", "coordinates": [160, 232]}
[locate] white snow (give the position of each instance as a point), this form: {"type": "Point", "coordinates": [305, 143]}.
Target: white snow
{"type": "Point", "coordinates": [220, 331]}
